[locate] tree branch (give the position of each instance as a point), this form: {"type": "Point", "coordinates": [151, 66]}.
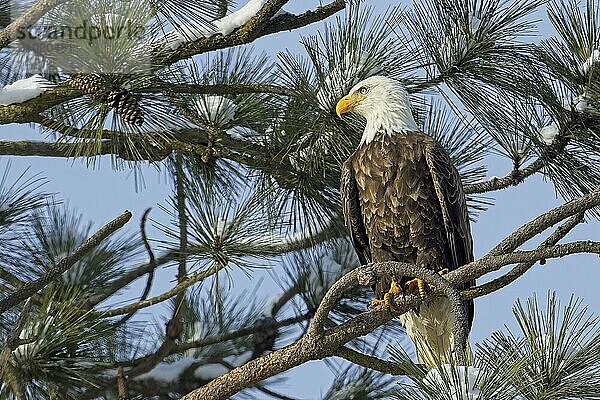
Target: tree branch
{"type": "Point", "coordinates": [512, 179]}
{"type": "Point", "coordinates": [29, 17]}
{"type": "Point", "coordinates": [180, 287]}
{"type": "Point", "coordinates": [315, 345]}
{"type": "Point", "coordinates": [367, 361]}
{"type": "Point", "coordinates": [220, 89]}
{"type": "Point", "coordinates": [46, 149]}
{"type": "Point", "coordinates": [521, 268]}
{"type": "Point", "coordinates": [54, 271]}
{"type": "Point", "coordinates": [247, 34]}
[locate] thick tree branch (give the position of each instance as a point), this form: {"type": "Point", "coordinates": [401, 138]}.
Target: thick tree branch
{"type": "Point", "coordinates": [29, 17]}
{"type": "Point", "coordinates": [247, 33]}
{"type": "Point", "coordinates": [46, 149]}
{"type": "Point", "coordinates": [54, 271]}
{"type": "Point", "coordinates": [316, 345]}
{"type": "Point", "coordinates": [221, 89]}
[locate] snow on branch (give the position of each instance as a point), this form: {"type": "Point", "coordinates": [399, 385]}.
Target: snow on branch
{"type": "Point", "coordinates": [169, 373]}
{"type": "Point", "coordinates": [222, 26]}
{"type": "Point", "coordinates": [24, 89]}
{"type": "Point", "coordinates": [594, 58]}
{"type": "Point", "coordinates": [549, 133]}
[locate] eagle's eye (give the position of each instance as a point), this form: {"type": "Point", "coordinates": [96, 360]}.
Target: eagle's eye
{"type": "Point", "coordinates": [363, 90]}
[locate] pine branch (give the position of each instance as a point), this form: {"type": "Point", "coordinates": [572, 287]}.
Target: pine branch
{"type": "Point", "coordinates": [56, 270]}
{"type": "Point", "coordinates": [318, 344]}
{"type": "Point", "coordinates": [30, 17]}
{"type": "Point", "coordinates": [26, 148]}
{"type": "Point", "coordinates": [512, 179]}
{"type": "Point", "coordinates": [179, 288]}
{"type": "Point", "coordinates": [221, 89]}
{"type": "Point", "coordinates": [245, 34]}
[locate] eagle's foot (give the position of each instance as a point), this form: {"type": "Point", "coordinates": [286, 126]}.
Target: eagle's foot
{"type": "Point", "coordinates": [416, 283]}
{"type": "Point", "coordinates": [420, 284]}
{"type": "Point", "coordinates": [388, 297]}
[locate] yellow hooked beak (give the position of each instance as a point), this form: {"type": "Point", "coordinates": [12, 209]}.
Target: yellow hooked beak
{"type": "Point", "coordinates": [347, 103]}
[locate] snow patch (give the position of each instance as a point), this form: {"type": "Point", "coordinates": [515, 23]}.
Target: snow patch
{"type": "Point", "coordinates": [268, 308]}
{"type": "Point", "coordinates": [592, 59]}
{"type": "Point", "coordinates": [167, 373]}
{"type": "Point", "coordinates": [24, 89]}
{"type": "Point", "coordinates": [216, 109]}
{"type": "Point", "coordinates": [549, 133]}
{"type": "Point", "coordinates": [463, 388]}
{"type": "Point", "coordinates": [578, 103]}
{"type": "Point", "coordinates": [243, 133]}
{"type": "Point", "coordinates": [212, 371]}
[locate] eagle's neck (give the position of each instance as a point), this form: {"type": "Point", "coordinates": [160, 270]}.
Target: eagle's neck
{"type": "Point", "coordinates": [388, 118]}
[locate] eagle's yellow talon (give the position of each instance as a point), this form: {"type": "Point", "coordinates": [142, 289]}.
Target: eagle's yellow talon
{"type": "Point", "coordinates": [376, 303]}
{"type": "Point", "coordinates": [388, 298]}
{"type": "Point", "coordinates": [417, 283]}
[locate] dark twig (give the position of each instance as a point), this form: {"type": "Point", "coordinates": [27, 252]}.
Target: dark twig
{"type": "Point", "coordinates": [54, 271]}
{"type": "Point", "coordinates": [546, 220]}
{"type": "Point", "coordinates": [151, 261]}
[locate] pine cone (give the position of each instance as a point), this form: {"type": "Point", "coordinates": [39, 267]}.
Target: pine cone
{"type": "Point", "coordinates": [125, 105]}
{"type": "Point", "coordinates": [92, 84]}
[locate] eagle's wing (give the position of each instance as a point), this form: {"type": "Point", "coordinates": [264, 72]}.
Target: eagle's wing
{"type": "Point", "coordinates": [451, 195]}
{"type": "Point", "coordinates": [352, 214]}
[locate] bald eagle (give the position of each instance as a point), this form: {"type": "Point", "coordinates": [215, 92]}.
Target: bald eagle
{"type": "Point", "coordinates": [403, 201]}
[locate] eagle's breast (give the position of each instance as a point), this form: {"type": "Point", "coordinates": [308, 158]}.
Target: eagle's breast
{"type": "Point", "coordinates": [400, 208]}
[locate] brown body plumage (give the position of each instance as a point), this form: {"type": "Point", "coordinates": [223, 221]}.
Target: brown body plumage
{"type": "Point", "coordinates": [403, 201]}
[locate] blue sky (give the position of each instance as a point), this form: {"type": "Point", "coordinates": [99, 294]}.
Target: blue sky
{"type": "Point", "coordinates": [101, 193]}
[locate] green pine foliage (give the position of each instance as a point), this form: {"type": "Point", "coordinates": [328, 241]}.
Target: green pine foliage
{"type": "Point", "coordinates": [252, 147]}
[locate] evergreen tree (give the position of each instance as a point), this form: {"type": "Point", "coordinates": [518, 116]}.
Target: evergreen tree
{"type": "Point", "coordinates": [252, 148]}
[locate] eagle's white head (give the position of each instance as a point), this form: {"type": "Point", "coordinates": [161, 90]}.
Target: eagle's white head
{"type": "Point", "coordinates": [383, 102]}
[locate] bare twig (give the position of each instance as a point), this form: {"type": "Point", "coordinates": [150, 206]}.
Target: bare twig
{"type": "Point", "coordinates": [151, 261]}
{"type": "Point", "coordinates": [546, 220]}
{"type": "Point", "coordinates": [54, 271]}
